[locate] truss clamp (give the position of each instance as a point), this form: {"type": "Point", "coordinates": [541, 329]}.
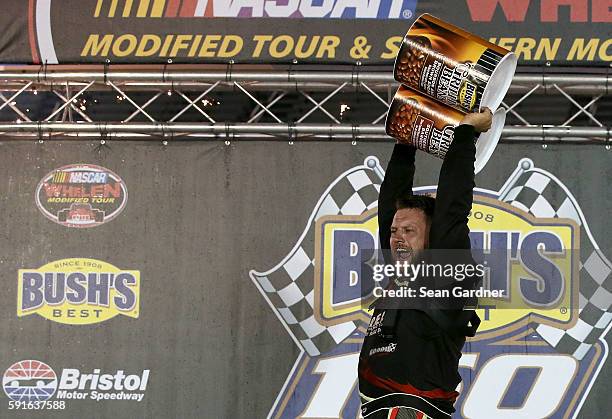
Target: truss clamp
{"type": "Point", "coordinates": [165, 69]}
{"type": "Point", "coordinates": [105, 70]}
{"type": "Point", "coordinates": [290, 74]}
{"type": "Point", "coordinates": [290, 70]}
{"type": "Point", "coordinates": [355, 74]}
{"type": "Point", "coordinates": [166, 131]}
{"type": "Point", "coordinates": [43, 69]}
{"type": "Point", "coordinates": [40, 132]}
{"type": "Point", "coordinates": [228, 70]}
{"type": "Point", "coordinates": [291, 133]}
{"type": "Point", "coordinates": [227, 133]}
{"type": "Point", "coordinates": [355, 133]}
{"type": "Point", "coordinates": [104, 134]}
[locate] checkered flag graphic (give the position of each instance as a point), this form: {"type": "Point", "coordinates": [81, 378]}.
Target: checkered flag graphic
{"type": "Point", "coordinates": [542, 195]}
{"type": "Point", "coordinates": [289, 286]}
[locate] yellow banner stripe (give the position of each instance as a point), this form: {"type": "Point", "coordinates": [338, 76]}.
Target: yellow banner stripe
{"type": "Point", "coordinates": [98, 8]}
{"type": "Point", "coordinates": [127, 8]}
{"type": "Point", "coordinates": [113, 8]}
{"type": "Point", "coordinates": [143, 8]}
{"type": "Point", "coordinates": [158, 8]}
{"type": "Point", "coordinates": [59, 177]}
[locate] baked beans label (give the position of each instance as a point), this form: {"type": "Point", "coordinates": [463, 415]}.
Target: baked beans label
{"type": "Point", "coordinates": [422, 132]}
{"type": "Point", "coordinates": [446, 63]}
{"type": "Point", "coordinates": [441, 140]}
{"type": "Point", "coordinates": [421, 121]}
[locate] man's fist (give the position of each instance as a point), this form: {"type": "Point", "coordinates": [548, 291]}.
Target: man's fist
{"type": "Point", "coordinates": [481, 121]}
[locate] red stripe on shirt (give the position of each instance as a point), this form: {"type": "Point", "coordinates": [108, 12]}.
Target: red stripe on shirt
{"type": "Point", "coordinates": [389, 384]}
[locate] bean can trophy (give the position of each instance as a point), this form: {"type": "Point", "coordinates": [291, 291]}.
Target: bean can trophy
{"type": "Point", "coordinates": [445, 73]}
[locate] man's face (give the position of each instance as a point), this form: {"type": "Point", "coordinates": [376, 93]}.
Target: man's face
{"type": "Point", "coordinates": [409, 233]}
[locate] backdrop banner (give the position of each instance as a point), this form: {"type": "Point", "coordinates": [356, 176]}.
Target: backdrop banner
{"type": "Point", "coordinates": [200, 280]}
{"type": "Point", "coordinates": [279, 31]}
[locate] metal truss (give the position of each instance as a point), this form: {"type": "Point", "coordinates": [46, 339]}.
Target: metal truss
{"type": "Point", "coordinates": [70, 118]}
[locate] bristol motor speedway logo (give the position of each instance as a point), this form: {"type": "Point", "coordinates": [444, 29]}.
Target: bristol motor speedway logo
{"type": "Point", "coordinates": [78, 291]}
{"type": "Point", "coordinates": [81, 195]}
{"type": "Point", "coordinates": [29, 381]}
{"type": "Point", "coordinates": [526, 362]}
{"type": "Point", "coordinates": [35, 381]}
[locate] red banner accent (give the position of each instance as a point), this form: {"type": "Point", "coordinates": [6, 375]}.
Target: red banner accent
{"type": "Point", "coordinates": [172, 8]}
{"type": "Point", "coordinates": [188, 8]}
{"type": "Point", "coordinates": [32, 32]}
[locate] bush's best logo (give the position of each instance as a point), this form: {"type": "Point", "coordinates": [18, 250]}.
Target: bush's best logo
{"type": "Point", "coordinates": [29, 381]}
{"type": "Point", "coordinates": [78, 291]}
{"type": "Point", "coordinates": [81, 195]}
{"type": "Point", "coordinates": [536, 361]}
{"type": "Point", "coordinates": [35, 381]}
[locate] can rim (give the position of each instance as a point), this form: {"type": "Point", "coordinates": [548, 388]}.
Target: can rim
{"type": "Point", "coordinates": [499, 82]}
{"type": "Point", "coordinates": [486, 144]}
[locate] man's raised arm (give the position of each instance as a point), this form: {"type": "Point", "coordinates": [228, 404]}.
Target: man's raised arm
{"type": "Point", "coordinates": [398, 182]}
{"type": "Point", "coordinates": [449, 227]}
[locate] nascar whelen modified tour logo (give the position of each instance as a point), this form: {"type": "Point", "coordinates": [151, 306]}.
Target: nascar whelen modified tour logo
{"type": "Point", "coordinates": [81, 195]}
{"type": "Point", "coordinates": [78, 291]}
{"type": "Point", "coordinates": [524, 362]}
{"type": "Point", "coordinates": [29, 384]}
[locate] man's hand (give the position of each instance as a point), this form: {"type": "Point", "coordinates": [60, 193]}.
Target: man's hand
{"type": "Point", "coordinates": [481, 121]}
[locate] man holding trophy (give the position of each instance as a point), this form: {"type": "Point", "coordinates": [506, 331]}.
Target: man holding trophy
{"type": "Point", "coordinates": [409, 361]}
{"type": "Point", "coordinates": [408, 367]}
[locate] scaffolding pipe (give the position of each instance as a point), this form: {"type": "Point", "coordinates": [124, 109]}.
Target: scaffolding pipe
{"type": "Point", "coordinates": [279, 130]}
{"type": "Point", "coordinates": [586, 84]}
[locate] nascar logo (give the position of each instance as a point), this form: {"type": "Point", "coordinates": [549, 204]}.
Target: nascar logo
{"type": "Point", "coordinates": [79, 177]}
{"type": "Point", "coordinates": [334, 9]}
{"type": "Point", "coordinates": [78, 291]}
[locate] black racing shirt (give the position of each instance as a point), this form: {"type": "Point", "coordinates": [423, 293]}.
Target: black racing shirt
{"type": "Point", "coordinates": [421, 358]}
